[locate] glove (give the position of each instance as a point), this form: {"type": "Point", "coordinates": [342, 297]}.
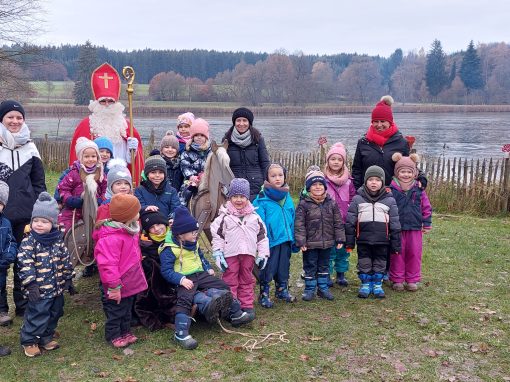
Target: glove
{"type": "Point", "coordinates": [69, 286]}
{"type": "Point", "coordinates": [74, 202]}
{"type": "Point", "coordinates": [294, 248]}
{"type": "Point", "coordinates": [261, 262]}
{"type": "Point", "coordinates": [33, 292]}
{"type": "Point", "coordinates": [219, 259]}
{"type": "Point", "coordinates": [132, 143]}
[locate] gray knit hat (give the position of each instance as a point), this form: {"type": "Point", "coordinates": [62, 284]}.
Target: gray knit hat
{"type": "Point", "coordinates": [46, 207]}
{"type": "Point", "coordinates": [374, 171]}
{"type": "Point", "coordinates": [169, 140]}
{"type": "Point", "coordinates": [155, 162]}
{"type": "Point", "coordinates": [4, 193]}
{"type": "Point", "coordinates": [239, 186]}
{"type": "Point", "coordinates": [117, 170]}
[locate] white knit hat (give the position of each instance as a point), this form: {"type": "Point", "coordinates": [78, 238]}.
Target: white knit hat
{"type": "Point", "coordinates": [82, 144]}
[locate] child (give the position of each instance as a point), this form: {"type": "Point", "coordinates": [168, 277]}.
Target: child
{"type": "Point", "coordinates": [105, 146]}
{"type": "Point", "coordinates": [118, 258]}
{"type": "Point", "coordinates": [88, 168]}
{"type": "Point", "coordinates": [184, 122]}
{"type": "Point", "coordinates": [318, 228]}
{"type": "Point", "coordinates": [276, 208]}
{"type": "Point", "coordinates": [193, 158]}
{"type": "Point", "coordinates": [154, 192]}
{"type": "Point", "coordinates": [373, 224]}
{"type": "Point", "coordinates": [119, 181]}
{"type": "Point", "coordinates": [340, 187]}
{"type": "Point", "coordinates": [183, 264]}
{"type": "Point", "coordinates": [45, 272]}
{"type": "Point", "coordinates": [239, 235]}
{"type": "Point", "coordinates": [8, 248]}
{"type": "Point", "coordinates": [415, 214]}
{"type": "Point", "coordinates": [169, 150]}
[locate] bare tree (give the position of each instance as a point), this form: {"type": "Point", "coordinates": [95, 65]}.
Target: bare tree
{"type": "Point", "coordinates": [361, 81]}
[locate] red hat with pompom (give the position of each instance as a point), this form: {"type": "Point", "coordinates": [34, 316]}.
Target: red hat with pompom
{"type": "Point", "coordinates": [382, 110]}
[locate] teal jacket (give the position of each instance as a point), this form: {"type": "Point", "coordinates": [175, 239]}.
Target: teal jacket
{"type": "Point", "coordinates": [278, 218]}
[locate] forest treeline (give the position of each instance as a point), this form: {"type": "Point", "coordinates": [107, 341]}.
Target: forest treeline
{"type": "Point", "coordinates": [478, 75]}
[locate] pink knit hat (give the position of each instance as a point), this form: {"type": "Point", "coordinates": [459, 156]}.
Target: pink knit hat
{"type": "Point", "coordinates": [337, 148]}
{"type": "Point", "coordinates": [405, 162]}
{"type": "Point", "coordinates": [186, 118]}
{"type": "Point", "coordinates": [199, 126]}
{"type": "Point", "coordinates": [82, 144]}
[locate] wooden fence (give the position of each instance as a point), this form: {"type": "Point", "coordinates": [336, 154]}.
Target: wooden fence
{"type": "Point", "coordinates": [454, 184]}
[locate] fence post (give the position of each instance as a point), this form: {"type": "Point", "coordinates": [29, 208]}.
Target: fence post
{"type": "Point", "coordinates": [506, 191]}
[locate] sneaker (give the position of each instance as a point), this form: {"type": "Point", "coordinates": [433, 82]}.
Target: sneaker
{"type": "Point", "coordinates": [5, 319]}
{"type": "Point", "coordinates": [4, 350]}
{"type": "Point", "coordinates": [130, 338]}
{"type": "Point", "coordinates": [187, 343]}
{"type": "Point", "coordinates": [32, 350]}
{"type": "Point", "coordinates": [325, 294]}
{"type": "Point", "coordinates": [119, 342]}
{"type": "Point", "coordinates": [52, 345]}
{"type": "Point", "coordinates": [242, 319]}
{"type": "Point", "coordinates": [250, 313]}
{"type": "Point", "coordinates": [398, 287]}
{"type": "Point", "coordinates": [412, 287]}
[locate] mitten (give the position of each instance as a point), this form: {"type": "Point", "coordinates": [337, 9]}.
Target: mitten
{"type": "Point", "coordinates": [33, 292]}
{"type": "Point", "coordinates": [261, 262]}
{"type": "Point", "coordinates": [74, 202]}
{"type": "Point", "coordinates": [132, 143]}
{"type": "Point", "coordinates": [219, 259]}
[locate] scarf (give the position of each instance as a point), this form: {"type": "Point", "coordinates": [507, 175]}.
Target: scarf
{"type": "Point", "coordinates": [248, 209]}
{"type": "Point", "coordinates": [132, 229]}
{"type": "Point", "coordinates": [374, 197]}
{"type": "Point", "coordinates": [242, 140]}
{"type": "Point", "coordinates": [189, 245]}
{"type": "Point", "coordinates": [172, 163]}
{"type": "Point", "coordinates": [338, 180]}
{"type": "Point", "coordinates": [149, 186]}
{"type": "Point", "coordinates": [12, 141]}
{"type": "Point", "coordinates": [405, 186]}
{"type": "Point", "coordinates": [380, 137]}
{"type": "Point", "coordinates": [47, 239]}
{"type": "Point", "coordinates": [203, 150]}
{"type": "Point", "coordinates": [275, 193]}
{"type": "Point", "coordinates": [158, 238]}
{"type": "Point", "coordinates": [318, 199]}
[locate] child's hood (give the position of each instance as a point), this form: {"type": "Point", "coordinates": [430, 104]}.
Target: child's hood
{"type": "Point", "coordinates": [105, 231]}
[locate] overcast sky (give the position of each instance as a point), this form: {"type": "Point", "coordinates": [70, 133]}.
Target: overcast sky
{"type": "Point", "coordinates": [312, 26]}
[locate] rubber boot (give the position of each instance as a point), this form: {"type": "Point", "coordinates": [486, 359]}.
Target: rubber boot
{"type": "Point", "coordinates": [182, 336]}
{"type": "Point", "coordinates": [340, 279]}
{"type": "Point", "coordinates": [378, 290]}
{"type": "Point", "coordinates": [330, 282]}
{"type": "Point", "coordinates": [323, 292]}
{"type": "Point", "coordinates": [238, 317]}
{"type": "Point", "coordinates": [365, 289]}
{"type": "Point", "coordinates": [264, 299]}
{"type": "Point", "coordinates": [225, 302]}
{"type": "Point", "coordinates": [309, 292]}
{"type": "Point", "coordinates": [282, 293]}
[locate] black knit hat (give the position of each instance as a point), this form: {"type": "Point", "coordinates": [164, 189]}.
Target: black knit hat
{"type": "Point", "coordinates": [242, 112]}
{"type": "Point", "coordinates": [183, 221]}
{"type": "Point", "coordinates": [149, 218]}
{"type": "Point", "coordinates": [155, 162]}
{"type": "Point", "coordinates": [10, 105]}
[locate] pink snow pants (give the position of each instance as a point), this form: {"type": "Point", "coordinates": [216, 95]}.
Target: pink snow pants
{"type": "Point", "coordinates": [407, 265]}
{"type": "Point", "coordinates": [239, 277]}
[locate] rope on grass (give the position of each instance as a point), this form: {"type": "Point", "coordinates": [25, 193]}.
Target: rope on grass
{"type": "Point", "coordinates": [256, 341]}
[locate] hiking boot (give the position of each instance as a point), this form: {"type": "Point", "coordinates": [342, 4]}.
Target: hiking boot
{"type": "Point", "coordinates": [31, 350]}
{"type": "Point", "coordinates": [242, 318]}
{"type": "Point", "coordinates": [325, 294]}
{"type": "Point", "coordinates": [264, 299]}
{"type": "Point", "coordinates": [4, 350]}
{"type": "Point", "coordinates": [365, 288]}
{"type": "Point", "coordinates": [187, 343]}
{"type": "Point", "coordinates": [119, 342]}
{"type": "Point", "coordinates": [399, 287]}
{"type": "Point", "coordinates": [130, 338]}
{"type": "Point", "coordinates": [52, 345]}
{"type": "Point", "coordinates": [218, 304]}
{"type": "Point", "coordinates": [412, 287]}
{"type": "Point", "coordinates": [378, 290]}
{"type": "Point", "coordinates": [226, 300]}
{"type": "Point", "coordinates": [5, 319]}
{"type": "Point", "coordinates": [340, 279]}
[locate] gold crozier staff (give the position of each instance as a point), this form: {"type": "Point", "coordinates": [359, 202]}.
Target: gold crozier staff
{"type": "Point", "coordinates": [129, 74]}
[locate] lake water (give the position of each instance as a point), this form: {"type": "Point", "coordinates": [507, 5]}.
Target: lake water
{"type": "Point", "coordinates": [471, 135]}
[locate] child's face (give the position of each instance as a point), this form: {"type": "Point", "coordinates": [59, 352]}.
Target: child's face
{"type": "Point", "coordinates": [89, 157]}
{"type": "Point", "coordinates": [121, 187]}
{"type": "Point", "coordinates": [189, 236]}
{"type": "Point", "coordinates": [336, 163]}
{"type": "Point", "coordinates": [41, 225]}
{"type": "Point", "coordinates": [157, 229]}
{"type": "Point", "coordinates": [405, 175]}
{"type": "Point", "coordinates": [317, 189]}
{"type": "Point", "coordinates": [199, 139]}
{"type": "Point", "coordinates": [156, 177]}
{"type": "Point", "coordinates": [183, 129]}
{"type": "Point", "coordinates": [239, 201]}
{"type": "Point", "coordinates": [105, 155]}
{"type": "Point", "coordinates": [374, 184]}
{"type": "Point", "coordinates": [169, 152]}
{"type": "Point", "coordinates": [276, 177]}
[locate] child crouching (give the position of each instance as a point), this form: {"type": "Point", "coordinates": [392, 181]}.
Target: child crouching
{"type": "Point", "coordinates": [45, 273]}
{"type": "Point", "coordinates": [118, 258]}
{"type": "Point", "coordinates": [183, 264]}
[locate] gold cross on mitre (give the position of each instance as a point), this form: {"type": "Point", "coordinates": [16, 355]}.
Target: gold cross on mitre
{"type": "Point", "coordinates": [105, 78]}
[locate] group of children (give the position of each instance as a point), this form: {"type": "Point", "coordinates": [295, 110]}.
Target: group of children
{"type": "Point", "coordinates": [330, 219]}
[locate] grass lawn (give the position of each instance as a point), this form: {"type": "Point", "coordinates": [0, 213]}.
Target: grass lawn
{"type": "Point", "coordinates": [455, 328]}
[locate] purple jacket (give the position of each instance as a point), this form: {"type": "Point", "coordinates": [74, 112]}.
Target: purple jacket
{"type": "Point", "coordinates": [342, 195]}
{"type": "Point", "coordinates": [119, 260]}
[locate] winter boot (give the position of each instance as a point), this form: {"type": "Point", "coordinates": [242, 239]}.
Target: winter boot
{"type": "Point", "coordinates": [4, 350]}
{"type": "Point", "coordinates": [282, 293]}
{"type": "Point", "coordinates": [226, 300]}
{"type": "Point", "coordinates": [340, 279]}
{"type": "Point", "coordinates": [323, 292]}
{"type": "Point", "coordinates": [330, 282]}
{"type": "Point", "coordinates": [238, 317]}
{"type": "Point", "coordinates": [309, 292]}
{"type": "Point", "coordinates": [264, 296]}
{"type": "Point", "coordinates": [89, 270]}
{"type": "Point", "coordinates": [365, 288]}
{"type": "Point", "coordinates": [378, 290]}
{"type": "Point", "coordinates": [182, 336]}
{"type": "Point", "coordinates": [5, 319]}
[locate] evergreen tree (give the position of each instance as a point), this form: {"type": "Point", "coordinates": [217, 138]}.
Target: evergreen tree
{"type": "Point", "coordinates": [436, 76]}
{"type": "Point", "coordinates": [453, 73]}
{"type": "Point", "coordinates": [87, 62]}
{"type": "Point", "coordinates": [471, 69]}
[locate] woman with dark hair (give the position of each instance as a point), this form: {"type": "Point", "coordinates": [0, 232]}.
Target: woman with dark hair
{"type": "Point", "coordinates": [249, 158]}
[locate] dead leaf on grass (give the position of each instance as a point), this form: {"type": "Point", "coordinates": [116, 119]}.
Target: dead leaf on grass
{"type": "Point", "coordinates": [399, 366]}
{"type": "Point", "coordinates": [345, 314]}
{"type": "Point", "coordinates": [128, 351]}
{"type": "Point", "coordinates": [314, 338]}
{"type": "Point", "coordinates": [93, 326]}
{"type": "Point", "coordinates": [481, 347]}
{"type": "Point", "coordinates": [117, 357]}
{"type": "Point", "coordinates": [431, 353]}
{"type": "Point", "coordinates": [102, 374]}
{"type": "Point", "coordinates": [304, 357]}
{"type": "Point", "coordinates": [384, 356]}
{"type": "Point", "coordinates": [163, 351]}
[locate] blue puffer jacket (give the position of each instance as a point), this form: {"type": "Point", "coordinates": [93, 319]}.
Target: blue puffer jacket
{"type": "Point", "coordinates": [167, 200]}
{"type": "Point", "coordinates": [8, 244]}
{"type": "Point", "coordinates": [278, 218]}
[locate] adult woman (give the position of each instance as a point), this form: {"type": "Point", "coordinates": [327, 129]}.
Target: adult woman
{"type": "Point", "coordinates": [247, 150]}
{"type": "Point", "coordinates": [25, 177]}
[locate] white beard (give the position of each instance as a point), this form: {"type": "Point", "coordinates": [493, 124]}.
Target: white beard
{"type": "Point", "coordinates": [108, 121]}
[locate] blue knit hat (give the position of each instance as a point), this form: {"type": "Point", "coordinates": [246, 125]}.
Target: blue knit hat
{"type": "Point", "coordinates": [104, 143]}
{"type": "Point", "coordinates": [239, 186]}
{"type": "Point", "coordinates": [314, 176]}
{"type": "Point", "coordinates": [183, 221]}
